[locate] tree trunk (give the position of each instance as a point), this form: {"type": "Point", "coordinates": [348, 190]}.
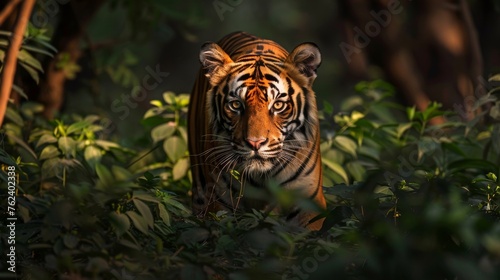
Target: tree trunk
{"type": "Point", "coordinates": [442, 63]}
{"type": "Point", "coordinates": [75, 16]}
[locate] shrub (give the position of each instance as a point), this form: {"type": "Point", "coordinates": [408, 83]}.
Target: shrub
{"type": "Point", "coordinates": [405, 200]}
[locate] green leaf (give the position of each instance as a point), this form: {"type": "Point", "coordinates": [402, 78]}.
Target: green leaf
{"type": "Point", "coordinates": [37, 50]}
{"type": "Point", "coordinates": [464, 164]}
{"type": "Point", "coordinates": [120, 222]}
{"type": "Point", "coordinates": [182, 131]}
{"type": "Point", "coordinates": [402, 128]}
{"type": "Point", "coordinates": [80, 191]}
{"type": "Point", "coordinates": [180, 169]}
{"type": "Point", "coordinates": [410, 112]}
{"type": "Point", "coordinates": [67, 145]}
{"type": "Point", "coordinates": [453, 147]}
{"type": "Point", "coordinates": [163, 131]}
{"type": "Point", "coordinates": [169, 97]}
{"type": "Point", "coordinates": [19, 89]}
{"type": "Point", "coordinates": [346, 144]}
{"type": "Point", "coordinates": [494, 78]}
{"type": "Point", "coordinates": [355, 116]}
{"type": "Point", "coordinates": [103, 174]}
{"type": "Point", "coordinates": [92, 155]}
{"type": "Point", "coordinates": [106, 145]}
{"type": "Point", "coordinates": [51, 167]}
{"type": "Point", "coordinates": [28, 59]}
{"type": "Point", "coordinates": [33, 73]}
{"type": "Point", "coordinates": [14, 116]}
{"type": "Point", "coordinates": [175, 147]}
{"type": "Point", "coordinates": [145, 196]}
{"type": "Point", "coordinates": [357, 170]}
{"type": "Point", "coordinates": [138, 221]}
{"type": "Point", "coordinates": [351, 103]}
{"type": "Point", "coordinates": [120, 173]}
{"type": "Point", "coordinates": [335, 167]}
{"type": "Point", "coordinates": [183, 100]}
{"type": "Point", "coordinates": [29, 109]}
{"type": "Point", "coordinates": [77, 126]}
{"type": "Point", "coordinates": [156, 103]}
{"type": "Point", "coordinates": [145, 212]}
{"type": "Point", "coordinates": [49, 152]}
{"type": "Point", "coordinates": [162, 212]}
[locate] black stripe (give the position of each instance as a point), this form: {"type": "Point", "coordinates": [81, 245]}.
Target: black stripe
{"type": "Point", "coordinates": [292, 215]}
{"type": "Point", "coordinates": [291, 91]}
{"type": "Point", "coordinates": [301, 168]}
{"type": "Point", "coordinates": [313, 166]}
{"type": "Point", "coordinates": [243, 77]}
{"type": "Point", "coordinates": [270, 78]}
{"type": "Point", "coordinates": [315, 193]}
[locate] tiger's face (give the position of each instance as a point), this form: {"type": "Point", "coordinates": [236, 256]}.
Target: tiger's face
{"type": "Point", "coordinates": [258, 108]}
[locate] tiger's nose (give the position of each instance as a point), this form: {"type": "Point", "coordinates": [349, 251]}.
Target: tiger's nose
{"type": "Point", "coordinates": [256, 143]}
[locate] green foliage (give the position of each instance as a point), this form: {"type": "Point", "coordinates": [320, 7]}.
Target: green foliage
{"type": "Point", "coordinates": [406, 200]}
{"type": "Point", "coordinates": [167, 121]}
{"type": "Point", "coordinates": [35, 42]}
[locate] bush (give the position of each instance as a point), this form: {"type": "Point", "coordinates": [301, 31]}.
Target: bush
{"type": "Point", "coordinates": [405, 200]}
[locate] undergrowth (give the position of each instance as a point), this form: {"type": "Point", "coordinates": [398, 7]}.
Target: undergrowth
{"type": "Point", "coordinates": [406, 199]}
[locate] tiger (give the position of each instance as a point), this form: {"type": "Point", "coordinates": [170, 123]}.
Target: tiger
{"type": "Point", "coordinates": [252, 121]}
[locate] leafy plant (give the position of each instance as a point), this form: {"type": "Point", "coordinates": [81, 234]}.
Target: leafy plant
{"type": "Point", "coordinates": [167, 121]}
{"type": "Point", "coordinates": [405, 200]}
{"type": "Point", "coordinates": [36, 42]}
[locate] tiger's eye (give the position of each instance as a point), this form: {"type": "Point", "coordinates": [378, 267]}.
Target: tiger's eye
{"type": "Point", "coordinates": [278, 105]}
{"type": "Point", "coordinates": [235, 105]}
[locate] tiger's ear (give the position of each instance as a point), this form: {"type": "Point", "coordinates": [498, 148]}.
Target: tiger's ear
{"type": "Point", "coordinates": [306, 58]}
{"type": "Point", "coordinates": [215, 61]}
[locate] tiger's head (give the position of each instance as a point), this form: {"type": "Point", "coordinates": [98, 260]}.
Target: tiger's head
{"type": "Point", "coordinates": [261, 106]}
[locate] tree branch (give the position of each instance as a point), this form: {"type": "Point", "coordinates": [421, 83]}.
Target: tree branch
{"type": "Point", "coordinates": [9, 69]}
{"type": "Point", "coordinates": [7, 10]}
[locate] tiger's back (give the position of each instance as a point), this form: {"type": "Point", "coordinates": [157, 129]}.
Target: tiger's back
{"type": "Point", "coordinates": [253, 121]}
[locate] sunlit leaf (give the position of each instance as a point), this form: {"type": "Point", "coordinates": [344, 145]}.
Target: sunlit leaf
{"type": "Point", "coordinates": [162, 212]}
{"type": "Point", "coordinates": [357, 170]}
{"type": "Point", "coordinates": [92, 155]}
{"type": "Point", "coordinates": [494, 78]}
{"type": "Point", "coordinates": [77, 127]}
{"type": "Point", "coordinates": [163, 131]}
{"type": "Point", "coordinates": [169, 97]}
{"type": "Point", "coordinates": [145, 212]}
{"type": "Point", "coordinates": [49, 152]}
{"type": "Point", "coordinates": [180, 169]}
{"type": "Point", "coordinates": [346, 144]}
{"type": "Point", "coordinates": [156, 103]}
{"type": "Point", "coordinates": [335, 167]}
{"type": "Point", "coordinates": [175, 147]}
{"type": "Point", "coordinates": [67, 145]}
{"type": "Point", "coordinates": [28, 59]}
{"type": "Point", "coordinates": [402, 128]}
{"type": "Point", "coordinates": [138, 221]}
